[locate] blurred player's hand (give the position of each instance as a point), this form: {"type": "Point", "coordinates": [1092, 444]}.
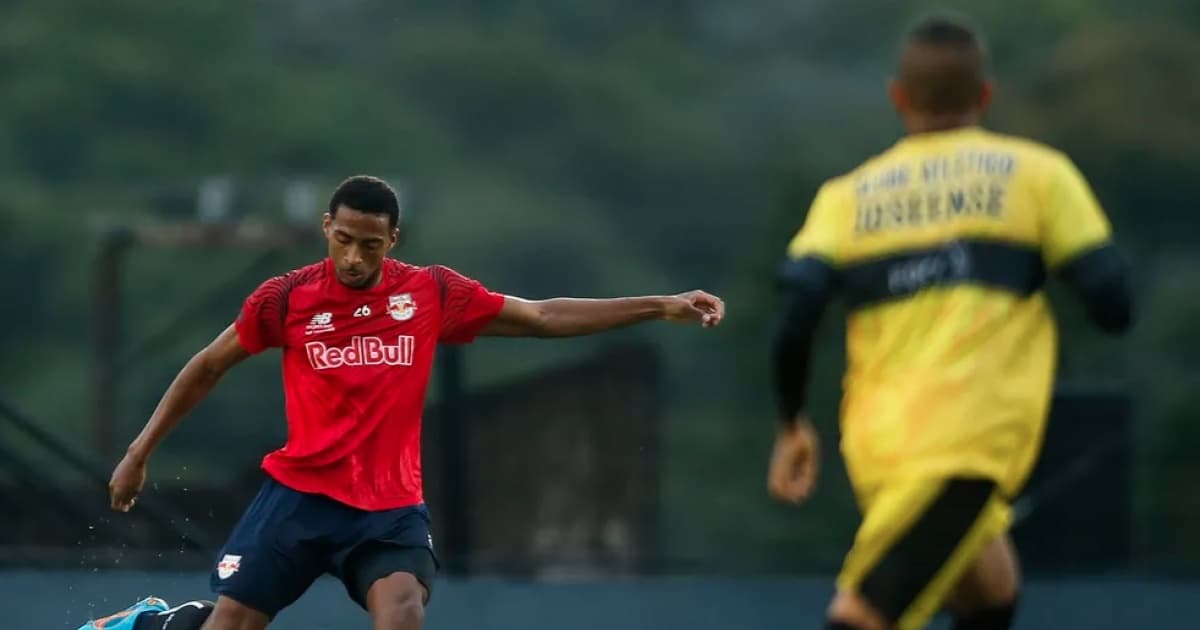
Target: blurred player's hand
{"type": "Point", "coordinates": [794, 462]}
{"type": "Point", "coordinates": [695, 306]}
{"type": "Point", "coordinates": [127, 481]}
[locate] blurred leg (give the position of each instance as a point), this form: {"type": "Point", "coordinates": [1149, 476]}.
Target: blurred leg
{"type": "Point", "coordinates": [849, 611]}
{"type": "Point", "coordinates": [986, 597]}
{"type": "Point", "coordinates": [230, 614]}
{"type": "Point", "coordinates": [270, 559]}
{"type": "Point", "coordinates": [918, 538]}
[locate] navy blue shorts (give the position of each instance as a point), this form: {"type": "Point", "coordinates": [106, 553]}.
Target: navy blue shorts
{"type": "Point", "coordinates": [287, 539]}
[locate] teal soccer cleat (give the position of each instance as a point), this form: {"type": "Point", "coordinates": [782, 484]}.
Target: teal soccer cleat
{"type": "Point", "coordinates": [125, 619]}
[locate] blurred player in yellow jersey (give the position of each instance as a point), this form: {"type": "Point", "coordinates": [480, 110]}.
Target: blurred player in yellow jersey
{"type": "Point", "coordinates": [940, 247]}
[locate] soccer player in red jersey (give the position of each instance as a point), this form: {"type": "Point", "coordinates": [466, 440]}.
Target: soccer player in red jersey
{"type": "Point", "coordinates": [358, 332]}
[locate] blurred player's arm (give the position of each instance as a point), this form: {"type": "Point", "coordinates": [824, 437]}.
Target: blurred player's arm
{"type": "Point", "coordinates": [808, 281]}
{"type": "Point", "coordinates": [570, 317]}
{"type": "Point", "coordinates": [807, 285]}
{"type": "Point", "coordinates": [1101, 280]}
{"type": "Point", "coordinates": [1078, 247]}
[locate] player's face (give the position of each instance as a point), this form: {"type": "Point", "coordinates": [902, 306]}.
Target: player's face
{"type": "Point", "coordinates": [358, 241]}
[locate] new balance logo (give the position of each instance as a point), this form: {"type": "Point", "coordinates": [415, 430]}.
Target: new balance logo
{"type": "Point", "coordinates": [361, 351]}
{"type": "Point", "coordinates": [320, 323]}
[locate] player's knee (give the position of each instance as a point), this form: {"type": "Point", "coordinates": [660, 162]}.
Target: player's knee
{"type": "Point", "coordinates": [1003, 594]}
{"type": "Point", "coordinates": [850, 611]}
{"type": "Point", "coordinates": [400, 610]}
{"type": "Point", "coordinates": [407, 614]}
{"type": "Point", "coordinates": [996, 576]}
{"type": "Point", "coordinates": [1002, 590]}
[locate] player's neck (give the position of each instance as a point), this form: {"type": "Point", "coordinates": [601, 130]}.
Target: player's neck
{"type": "Point", "coordinates": [925, 123]}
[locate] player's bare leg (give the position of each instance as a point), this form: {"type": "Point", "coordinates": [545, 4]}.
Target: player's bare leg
{"type": "Point", "coordinates": [397, 602]}
{"type": "Point", "coordinates": [851, 611]}
{"type": "Point", "coordinates": [986, 597]}
{"type": "Point", "coordinates": [231, 614]}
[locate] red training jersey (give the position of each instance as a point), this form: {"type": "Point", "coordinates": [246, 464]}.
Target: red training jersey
{"type": "Point", "coordinates": [356, 365]}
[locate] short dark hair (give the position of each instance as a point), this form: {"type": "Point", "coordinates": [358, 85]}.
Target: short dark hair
{"type": "Point", "coordinates": [945, 29]}
{"type": "Point", "coordinates": [943, 65]}
{"type": "Point", "coordinates": [367, 194]}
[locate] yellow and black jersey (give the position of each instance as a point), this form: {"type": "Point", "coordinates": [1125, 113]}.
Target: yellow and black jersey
{"type": "Point", "coordinates": [941, 247]}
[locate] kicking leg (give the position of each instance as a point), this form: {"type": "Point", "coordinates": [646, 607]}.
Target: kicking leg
{"type": "Point", "coordinates": [128, 618]}
{"type": "Point", "coordinates": [269, 560]}
{"type": "Point", "coordinates": [230, 614]}
{"type": "Point", "coordinates": [186, 616]}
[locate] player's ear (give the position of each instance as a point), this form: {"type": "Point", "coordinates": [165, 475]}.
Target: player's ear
{"type": "Point", "coordinates": [897, 95]}
{"type": "Point", "coordinates": [986, 91]}
{"type": "Point", "coordinates": [395, 237]}
{"type": "Point", "coordinates": [327, 225]}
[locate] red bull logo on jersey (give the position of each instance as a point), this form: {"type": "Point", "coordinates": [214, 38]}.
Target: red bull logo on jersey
{"type": "Point", "coordinates": [361, 351]}
{"type": "Point", "coordinates": [402, 307]}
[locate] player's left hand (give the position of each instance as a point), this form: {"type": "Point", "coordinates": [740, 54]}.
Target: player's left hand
{"type": "Point", "coordinates": [794, 462]}
{"type": "Point", "coordinates": [695, 306]}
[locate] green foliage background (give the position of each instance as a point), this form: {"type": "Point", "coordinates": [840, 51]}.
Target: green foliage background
{"type": "Point", "coordinates": [577, 148]}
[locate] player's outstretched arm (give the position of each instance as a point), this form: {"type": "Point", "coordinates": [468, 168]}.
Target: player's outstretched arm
{"type": "Point", "coordinates": [573, 317]}
{"type": "Point", "coordinates": [190, 386]}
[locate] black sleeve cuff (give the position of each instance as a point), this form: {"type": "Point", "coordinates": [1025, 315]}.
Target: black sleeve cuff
{"type": "Point", "coordinates": [1101, 280]}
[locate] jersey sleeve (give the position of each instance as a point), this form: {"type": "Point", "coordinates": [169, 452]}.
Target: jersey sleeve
{"type": "Point", "coordinates": [808, 279]}
{"type": "Point", "coordinates": [819, 235]}
{"type": "Point", "coordinates": [467, 306]}
{"type": "Point", "coordinates": [1073, 223]}
{"type": "Point", "coordinates": [260, 324]}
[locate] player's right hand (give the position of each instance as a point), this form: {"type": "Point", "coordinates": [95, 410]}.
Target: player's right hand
{"type": "Point", "coordinates": [794, 462]}
{"type": "Point", "coordinates": [127, 480]}
{"type": "Point", "coordinates": [695, 306]}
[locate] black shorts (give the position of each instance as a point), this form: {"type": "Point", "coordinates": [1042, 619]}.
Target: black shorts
{"type": "Point", "coordinates": [287, 539]}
